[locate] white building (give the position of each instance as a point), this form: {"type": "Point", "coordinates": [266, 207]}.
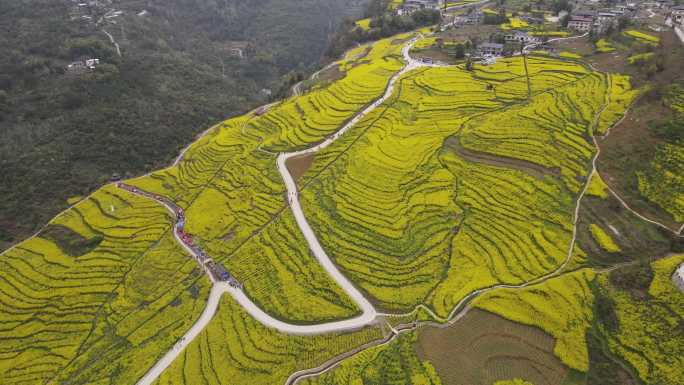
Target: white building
{"type": "Point", "coordinates": [678, 14]}
{"type": "Point", "coordinates": [411, 6]}
{"type": "Point", "coordinates": [520, 37]}
{"type": "Point", "coordinates": [678, 277]}
{"type": "Point", "coordinates": [581, 23]}
{"type": "Point", "coordinates": [490, 49]}
{"type": "Point", "coordinates": [604, 20]}
{"type": "Point", "coordinates": [91, 63]}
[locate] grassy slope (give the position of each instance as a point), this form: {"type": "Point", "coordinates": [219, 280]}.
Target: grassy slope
{"type": "Point", "coordinates": [648, 335]}
{"type": "Point", "coordinates": [629, 153]}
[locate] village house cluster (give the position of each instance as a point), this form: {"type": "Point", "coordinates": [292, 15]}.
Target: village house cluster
{"type": "Point", "coordinates": [600, 21]}
{"type": "Point", "coordinates": [410, 6]}
{"type": "Point", "coordinates": [589, 16]}
{"type": "Point", "coordinates": [82, 65]}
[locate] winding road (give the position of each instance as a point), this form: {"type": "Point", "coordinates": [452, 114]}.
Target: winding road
{"type": "Point", "coordinates": [368, 315]}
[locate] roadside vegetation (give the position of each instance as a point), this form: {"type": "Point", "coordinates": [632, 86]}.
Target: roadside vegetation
{"type": "Point", "coordinates": [395, 363]}
{"type": "Point", "coordinates": [105, 290]}
{"type": "Point", "coordinates": [236, 347]}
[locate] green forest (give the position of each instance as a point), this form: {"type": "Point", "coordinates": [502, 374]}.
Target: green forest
{"type": "Point", "coordinates": [63, 134]}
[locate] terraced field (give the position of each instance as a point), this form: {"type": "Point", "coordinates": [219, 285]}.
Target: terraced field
{"type": "Point", "coordinates": [414, 219]}
{"type": "Point", "coordinates": [120, 293]}
{"type": "Point", "coordinates": [106, 290]}
{"type": "Point", "coordinates": [236, 349]}
{"type": "Point", "coordinates": [461, 180]}
{"type": "Point", "coordinates": [234, 197]}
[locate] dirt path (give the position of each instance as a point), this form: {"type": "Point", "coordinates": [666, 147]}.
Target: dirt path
{"type": "Point", "coordinates": [111, 38]}
{"type": "Point", "coordinates": [534, 169]}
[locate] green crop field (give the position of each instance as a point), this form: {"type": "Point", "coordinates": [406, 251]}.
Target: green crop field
{"type": "Point", "coordinates": [515, 381]}
{"type": "Point", "coordinates": [604, 46]}
{"type": "Point", "coordinates": [603, 239]}
{"type": "Point", "coordinates": [597, 187]}
{"type": "Point", "coordinates": [620, 97]}
{"type": "Point", "coordinates": [642, 37]}
{"type": "Point", "coordinates": [395, 363]}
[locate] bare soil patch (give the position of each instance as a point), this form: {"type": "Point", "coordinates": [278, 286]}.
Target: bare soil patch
{"type": "Point", "coordinates": [483, 348]}
{"type": "Point", "coordinates": [400, 41]}
{"type": "Point", "coordinates": [467, 32]}
{"type": "Point", "coordinates": [298, 165]}
{"type": "Point", "coordinates": [610, 62]}
{"type": "Point", "coordinates": [434, 53]}
{"type": "Point", "coordinates": [331, 74]}
{"type": "Point", "coordinates": [227, 237]}
{"type": "Point", "coordinates": [581, 46]}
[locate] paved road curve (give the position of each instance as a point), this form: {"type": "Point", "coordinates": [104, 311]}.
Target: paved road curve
{"type": "Point", "coordinates": [368, 315]}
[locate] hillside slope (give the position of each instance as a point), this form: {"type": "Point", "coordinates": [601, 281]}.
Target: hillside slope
{"type": "Point", "coordinates": [64, 132]}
